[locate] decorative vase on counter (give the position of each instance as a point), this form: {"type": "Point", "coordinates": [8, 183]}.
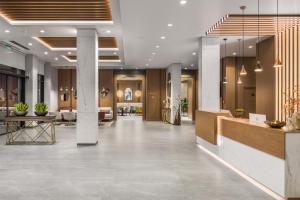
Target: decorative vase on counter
{"type": "Point", "coordinates": [296, 120]}
{"type": "Point", "coordinates": [289, 124]}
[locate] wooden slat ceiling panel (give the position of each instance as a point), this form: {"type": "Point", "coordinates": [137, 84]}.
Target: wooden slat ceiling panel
{"type": "Point", "coordinates": [70, 42]}
{"type": "Point", "coordinates": [100, 57]}
{"type": "Point", "coordinates": [56, 9]}
{"type": "Point", "coordinates": [233, 24]}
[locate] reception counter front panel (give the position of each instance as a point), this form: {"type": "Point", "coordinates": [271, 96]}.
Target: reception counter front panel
{"type": "Point", "coordinates": [269, 156]}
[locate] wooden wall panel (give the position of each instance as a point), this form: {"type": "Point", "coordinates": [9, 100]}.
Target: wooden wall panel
{"type": "Point", "coordinates": [153, 94]}
{"type": "Point", "coordinates": [265, 81]}
{"type": "Point", "coordinates": [67, 85]}
{"type": "Point", "coordinates": [106, 80]}
{"type": "Point", "coordinates": [287, 77]}
{"type": "Point", "coordinates": [134, 85]}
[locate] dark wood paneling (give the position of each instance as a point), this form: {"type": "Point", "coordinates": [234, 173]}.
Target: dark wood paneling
{"type": "Point", "coordinates": [67, 84]}
{"type": "Point", "coordinates": [106, 80]}
{"type": "Point", "coordinates": [265, 81]}
{"type": "Point", "coordinates": [153, 94]}
{"type": "Point", "coordinates": [134, 85]}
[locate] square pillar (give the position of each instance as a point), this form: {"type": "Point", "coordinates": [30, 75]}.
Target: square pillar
{"type": "Point", "coordinates": [31, 83]}
{"type": "Point", "coordinates": [51, 87]}
{"type": "Point", "coordinates": [209, 74]}
{"type": "Point", "coordinates": [175, 72]}
{"type": "Point", "coordinates": [87, 86]}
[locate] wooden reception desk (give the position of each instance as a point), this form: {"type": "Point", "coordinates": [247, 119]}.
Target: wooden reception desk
{"type": "Point", "coordinates": [269, 156]}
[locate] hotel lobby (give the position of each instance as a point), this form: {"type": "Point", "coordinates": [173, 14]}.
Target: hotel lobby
{"type": "Point", "coordinates": [149, 99]}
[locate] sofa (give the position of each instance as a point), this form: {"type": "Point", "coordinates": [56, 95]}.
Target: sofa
{"type": "Point", "coordinates": [109, 113]}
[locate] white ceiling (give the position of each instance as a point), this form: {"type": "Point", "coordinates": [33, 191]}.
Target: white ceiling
{"type": "Point", "coordinates": [139, 24]}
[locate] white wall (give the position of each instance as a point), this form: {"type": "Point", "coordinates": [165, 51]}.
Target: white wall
{"type": "Point", "coordinates": [13, 59]}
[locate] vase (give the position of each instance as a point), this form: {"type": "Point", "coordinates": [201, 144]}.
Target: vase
{"type": "Point", "coordinates": [296, 120]}
{"type": "Point", "coordinates": [21, 113]}
{"type": "Point", "coordinates": [41, 113]}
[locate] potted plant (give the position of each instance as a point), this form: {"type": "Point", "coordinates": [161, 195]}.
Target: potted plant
{"type": "Point", "coordinates": [41, 109]}
{"type": "Point", "coordinates": [21, 109]}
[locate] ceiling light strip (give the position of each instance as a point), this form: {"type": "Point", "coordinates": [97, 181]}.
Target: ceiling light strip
{"type": "Point", "coordinates": [69, 49]}
{"type": "Point", "coordinates": [102, 61]}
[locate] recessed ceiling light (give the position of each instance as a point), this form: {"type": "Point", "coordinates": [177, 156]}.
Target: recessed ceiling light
{"type": "Point", "coordinates": [183, 2]}
{"type": "Point", "coordinates": [56, 58]}
{"type": "Point", "coordinates": [121, 68]}
{"type": "Point", "coordinates": [69, 52]}
{"type": "Point", "coordinates": [194, 53]}
{"type": "Point", "coordinates": [42, 31]}
{"type": "Point", "coordinates": [147, 65]}
{"type": "Point", "coordinates": [115, 53]}
{"type": "Point", "coordinates": [250, 47]}
{"type": "Point", "coordinates": [46, 53]}
{"type": "Point", "coordinates": [192, 65]}
{"type": "Point", "coordinates": [7, 31]}
{"type": "Point", "coordinates": [234, 53]}
{"type": "Point", "coordinates": [29, 44]}
{"type": "Point", "coordinates": [136, 68]}
{"type": "Point", "coordinates": [185, 68]}
{"type": "Point", "coordinates": [162, 37]}
{"type": "Point", "coordinates": [170, 25]}
{"type": "Point", "coordinates": [157, 46]}
{"type": "Point", "coordinates": [153, 53]}
{"type": "Point", "coordinates": [108, 31]}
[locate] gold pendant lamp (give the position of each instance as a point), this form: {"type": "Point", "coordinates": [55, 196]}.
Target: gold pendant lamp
{"type": "Point", "coordinates": [243, 71]}
{"type": "Point", "coordinates": [258, 67]}
{"type": "Point", "coordinates": [278, 62]}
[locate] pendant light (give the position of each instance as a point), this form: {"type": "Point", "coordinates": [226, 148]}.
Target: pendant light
{"type": "Point", "coordinates": [243, 71]}
{"type": "Point", "coordinates": [225, 81]}
{"type": "Point", "coordinates": [239, 79]}
{"type": "Point", "coordinates": [240, 82]}
{"type": "Point", "coordinates": [277, 63]}
{"type": "Point", "coordinates": [258, 67]}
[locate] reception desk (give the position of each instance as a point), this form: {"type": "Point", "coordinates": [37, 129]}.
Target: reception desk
{"type": "Point", "coordinates": [269, 156]}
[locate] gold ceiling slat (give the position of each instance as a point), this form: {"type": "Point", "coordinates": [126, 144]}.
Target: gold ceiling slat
{"type": "Point", "coordinates": [232, 24]}
{"type": "Point", "coordinates": [100, 57]}
{"type": "Point", "coordinates": [56, 9]}
{"type": "Point", "coordinates": [70, 42]}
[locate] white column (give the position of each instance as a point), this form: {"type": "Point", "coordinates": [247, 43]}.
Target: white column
{"type": "Point", "coordinates": [51, 87]}
{"type": "Point", "coordinates": [31, 83]}
{"type": "Point", "coordinates": [209, 74]}
{"type": "Point", "coordinates": [87, 86]}
{"type": "Point", "coordinates": [175, 72]}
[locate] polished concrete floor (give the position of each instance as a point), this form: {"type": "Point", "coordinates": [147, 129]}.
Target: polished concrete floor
{"type": "Point", "coordinates": [133, 161]}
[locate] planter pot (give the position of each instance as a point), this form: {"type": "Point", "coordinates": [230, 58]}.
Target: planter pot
{"type": "Point", "coordinates": [41, 113]}
{"type": "Point", "coordinates": [21, 113]}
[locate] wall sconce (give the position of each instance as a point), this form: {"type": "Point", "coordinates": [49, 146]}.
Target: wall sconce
{"type": "Point", "coordinates": [138, 93]}
{"type": "Point", "coordinates": [120, 93]}
{"type": "Point", "coordinates": [61, 89]}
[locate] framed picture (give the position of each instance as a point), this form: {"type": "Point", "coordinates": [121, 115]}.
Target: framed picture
{"type": "Point", "coordinates": [128, 94]}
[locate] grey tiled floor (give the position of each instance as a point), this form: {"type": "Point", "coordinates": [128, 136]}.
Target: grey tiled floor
{"type": "Point", "coordinates": [133, 161]}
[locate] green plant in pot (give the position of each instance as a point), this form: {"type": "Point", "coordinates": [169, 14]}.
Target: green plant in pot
{"type": "Point", "coordinates": [21, 109]}
{"type": "Point", "coordinates": [41, 109]}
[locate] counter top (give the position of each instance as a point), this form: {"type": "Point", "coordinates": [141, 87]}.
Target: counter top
{"type": "Point", "coordinates": [255, 135]}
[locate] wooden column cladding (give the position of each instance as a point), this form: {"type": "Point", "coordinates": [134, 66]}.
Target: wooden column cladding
{"type": "Point", "coordinates": [287, 77]}
{"type": "Point", "coordinates": [66, 89]}
{"type": "Point", "coordinates": [155, 93]}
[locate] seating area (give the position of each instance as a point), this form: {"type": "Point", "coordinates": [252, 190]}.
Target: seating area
{"type": "Point", "coordinates": [125, 109]}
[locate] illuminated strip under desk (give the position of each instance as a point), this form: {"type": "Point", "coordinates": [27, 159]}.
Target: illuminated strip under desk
{"type": "Point", "coordinates": [275, 175]}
